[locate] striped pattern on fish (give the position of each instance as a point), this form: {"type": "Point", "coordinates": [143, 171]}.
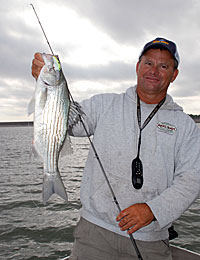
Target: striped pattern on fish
{"type": "Point", "coordinates": [52, 105]}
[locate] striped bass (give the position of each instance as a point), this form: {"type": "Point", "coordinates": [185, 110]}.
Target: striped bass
{"type": "Point", "coordinates": [51, 113]}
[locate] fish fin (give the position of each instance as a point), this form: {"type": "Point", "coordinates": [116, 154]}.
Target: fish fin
{"type": "Point", "coordinates": [75, 112]}
{"type": "Point", "coordinates": [34, 153]}
{"type": "Point", "coordinates": [67, 147]}
{"type": "Point", "coordinates": [51, 185]}
{"type": "Point", "coordinates": [31, 106]}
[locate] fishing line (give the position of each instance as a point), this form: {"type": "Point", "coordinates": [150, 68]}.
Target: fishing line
{"type": "Point", "coordinates": [42, 29]}
{"type": "Point", "coordinates": [93, 147]}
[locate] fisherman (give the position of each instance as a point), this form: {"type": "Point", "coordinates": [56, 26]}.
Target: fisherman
{"type": "Point", "coordinates": [150, 150]}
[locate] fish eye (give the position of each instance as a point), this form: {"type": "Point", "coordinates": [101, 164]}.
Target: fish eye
{"type": "Point", "coordinates": [51, 69]}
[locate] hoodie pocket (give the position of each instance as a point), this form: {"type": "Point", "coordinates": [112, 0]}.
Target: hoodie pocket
{"type": "Point", "coordinates": [103, 205]}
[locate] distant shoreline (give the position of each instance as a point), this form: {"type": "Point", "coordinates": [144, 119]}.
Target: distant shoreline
{"type": "Point", "coordinates": [30, 123]}
{"type": "Point", "coordinates": [196, 118]}
{"type": "Point", "coordinates": [8, 124]}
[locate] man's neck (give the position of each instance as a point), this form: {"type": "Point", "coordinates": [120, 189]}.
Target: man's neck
{"type": "Point", "coordinates": [150, 98]}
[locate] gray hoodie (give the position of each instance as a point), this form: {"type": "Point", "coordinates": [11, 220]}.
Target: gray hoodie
{"type": "Point", "coordinates": [170, 153]}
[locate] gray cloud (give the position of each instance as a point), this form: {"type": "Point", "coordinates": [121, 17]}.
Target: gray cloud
{"type": "Point", "coordinates": [129, 23]}
{"type": "Point", "coordinates": [116, 71]}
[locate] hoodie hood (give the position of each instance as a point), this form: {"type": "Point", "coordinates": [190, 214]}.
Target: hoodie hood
{"type": "Point", "coordinates": [169, 104]}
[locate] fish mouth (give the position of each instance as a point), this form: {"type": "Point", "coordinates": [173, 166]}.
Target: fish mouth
{"type": "Point", "coordinates": [46, 83]}
{"type": "Point", "coordinates": [50, 85]}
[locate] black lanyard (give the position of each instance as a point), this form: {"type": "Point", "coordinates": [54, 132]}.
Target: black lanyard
{"type": "Point", "coordinates": [137, 167]}
{"type": "Point", "coordinates": [148, 119]}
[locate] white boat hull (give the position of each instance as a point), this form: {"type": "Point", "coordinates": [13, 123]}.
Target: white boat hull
{"type": "Point", "coordinates": [178, 253]}
{"type": "Point", "coordinates": [183, 254]}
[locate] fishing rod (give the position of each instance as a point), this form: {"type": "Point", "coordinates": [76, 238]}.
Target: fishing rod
{"type": "Point", "coordinates": [42, 29]}
{"type": "Point", "coordinates": [93, 147]}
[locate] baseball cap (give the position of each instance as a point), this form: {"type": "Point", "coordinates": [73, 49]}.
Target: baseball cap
{"type": "Point", "coordinates": [161, 42]}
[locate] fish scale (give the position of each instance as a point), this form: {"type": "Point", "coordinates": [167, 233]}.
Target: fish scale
{"type": "Point", "coordinates": [56, 129]}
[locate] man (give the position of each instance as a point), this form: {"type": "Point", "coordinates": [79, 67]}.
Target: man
{"type": "Point", "coordinates": [165, 144]}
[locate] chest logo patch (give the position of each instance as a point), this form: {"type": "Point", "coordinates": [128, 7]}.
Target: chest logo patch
{"type": "Point", "coordinates": [166, 128]}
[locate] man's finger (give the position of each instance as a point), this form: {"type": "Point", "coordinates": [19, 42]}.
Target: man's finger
{"type": "Point", "coordinates": [122, 215]}
{"type": "Point", "coordinates": [134, 229]}
{"type": "Point", "coordinates": [127, 225]}
{"type": "Point", "coordinates": [38, 56]}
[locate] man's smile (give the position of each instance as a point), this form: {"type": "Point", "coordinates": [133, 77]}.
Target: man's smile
{"type": "Point", "coordinates": [152, 79]}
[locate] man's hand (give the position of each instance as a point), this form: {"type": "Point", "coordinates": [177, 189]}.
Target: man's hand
{"type": "Point", "coordinates": [37, 65]}
{"type": "Point", "coordinates": [135, 217]}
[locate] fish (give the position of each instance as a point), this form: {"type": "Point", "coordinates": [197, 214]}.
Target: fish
{"type": "Point", "coordinates": [51, 103]}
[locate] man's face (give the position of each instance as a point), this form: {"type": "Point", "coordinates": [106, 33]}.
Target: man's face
{"type": "Point", "coordinates": [155, 72]}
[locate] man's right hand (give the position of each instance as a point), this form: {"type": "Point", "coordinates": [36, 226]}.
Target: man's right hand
{"type": "Point", "coordinates": [37, 65]}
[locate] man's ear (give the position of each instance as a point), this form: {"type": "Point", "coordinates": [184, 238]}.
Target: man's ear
{"type": "Point", "coordinates": [137, 67]}
{"type": "Point", "coordinates": [175, 75]}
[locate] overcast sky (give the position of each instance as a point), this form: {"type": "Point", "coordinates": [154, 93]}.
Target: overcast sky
{"type": "Point", "coordinates": [98, 42]}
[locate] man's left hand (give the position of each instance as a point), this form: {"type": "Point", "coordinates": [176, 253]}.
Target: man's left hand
{"type": "Point", "coordinates": [135, 217]}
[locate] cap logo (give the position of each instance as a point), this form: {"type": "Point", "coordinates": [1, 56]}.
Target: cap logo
{"type": "Point", "coordinates": [161, 41]}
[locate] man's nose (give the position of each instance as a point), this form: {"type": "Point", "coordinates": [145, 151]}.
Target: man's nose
{"type": "Point", "coordinates": [154, 69]}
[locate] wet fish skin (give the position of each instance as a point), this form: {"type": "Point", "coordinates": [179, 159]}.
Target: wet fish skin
{"type": "Point", "coordinates": [52, 104]}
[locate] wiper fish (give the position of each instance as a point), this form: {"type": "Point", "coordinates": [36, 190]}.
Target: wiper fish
{"type": "Point", "coordinates": [51, 114]}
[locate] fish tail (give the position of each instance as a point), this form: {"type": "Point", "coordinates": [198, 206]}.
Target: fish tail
{"type": "Point", "coordinates": [53, 184]}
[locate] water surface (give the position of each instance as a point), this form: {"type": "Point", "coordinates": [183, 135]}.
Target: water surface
{"type": "Point", "coordinates": [28, 229]}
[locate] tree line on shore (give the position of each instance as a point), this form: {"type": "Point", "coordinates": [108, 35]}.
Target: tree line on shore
{"type": "Point", "coordinates": [196, 118]}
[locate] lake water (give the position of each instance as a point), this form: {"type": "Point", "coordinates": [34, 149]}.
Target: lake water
{"type": "Point", "coordinates": [28, 229]}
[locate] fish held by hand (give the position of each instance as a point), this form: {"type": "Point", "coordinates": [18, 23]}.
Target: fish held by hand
{"type": "Point", "coordinates": [51, 113]}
